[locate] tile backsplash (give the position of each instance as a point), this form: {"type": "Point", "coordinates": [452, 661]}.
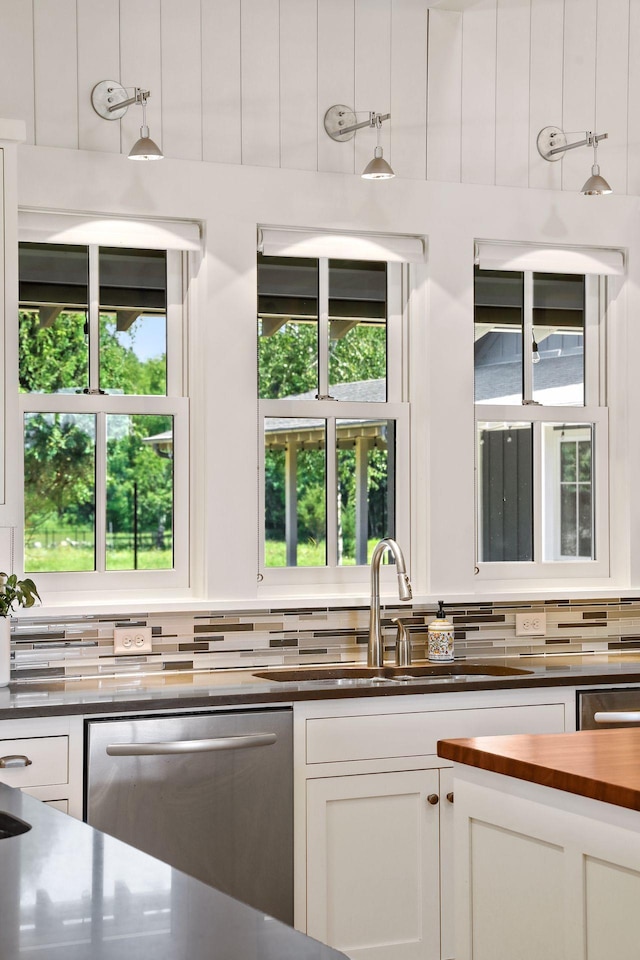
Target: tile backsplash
{"type": "Point", "coordinates": [83, 645]}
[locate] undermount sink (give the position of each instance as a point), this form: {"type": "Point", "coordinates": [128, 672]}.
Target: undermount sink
{"type": "Point", "coordinates": [363, 676]}
{"type": "Point", "coordinates": [12, 826]}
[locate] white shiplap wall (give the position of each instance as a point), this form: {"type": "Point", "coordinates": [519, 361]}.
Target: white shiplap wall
{"type": "Point", "coordinates": [248, 81]}
{"type": "Point", "coordinates": [520, 65]}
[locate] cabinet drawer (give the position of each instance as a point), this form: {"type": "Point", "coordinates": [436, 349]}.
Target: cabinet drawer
{"type": "Point", "coordinates": [49, 761]}
{"type": "Point", "coordinates": [380, 736]}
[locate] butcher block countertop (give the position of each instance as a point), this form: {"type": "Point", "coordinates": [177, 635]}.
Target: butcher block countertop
{"type": "Point", "coordinates": [599, 764]}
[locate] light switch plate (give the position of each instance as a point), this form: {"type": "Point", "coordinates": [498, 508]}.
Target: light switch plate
{"type": "Point", "coordinates": [531, 624]}
{"type": "Point", "coordinates": [132, 640]}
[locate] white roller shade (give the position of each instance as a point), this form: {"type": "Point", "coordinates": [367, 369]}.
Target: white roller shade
{"type": "Point", "coordinates": [108, 231]}
{"type": "Point", "coordinates": [517, 256]}
{"type": "Point", "coordinates": [393, 248]}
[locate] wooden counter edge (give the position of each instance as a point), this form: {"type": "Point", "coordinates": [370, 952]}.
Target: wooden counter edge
{"type": "Point", "coordinates": [478, 752]}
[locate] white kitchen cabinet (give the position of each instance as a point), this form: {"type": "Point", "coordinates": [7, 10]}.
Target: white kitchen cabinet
{"type": "Point", "coordinates": [43, 757]}
{"type": "Point", "coordinates": [373, 862]}
{"type": "Point", "coordinates": [373, 857]}
{"type": "Point", "coordinates": [543, 873]}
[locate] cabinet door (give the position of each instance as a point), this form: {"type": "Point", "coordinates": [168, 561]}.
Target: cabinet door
{"type": "Point", "coordinates": [373, 864]}
{"type": "Point", "coordinates": [447, 928]}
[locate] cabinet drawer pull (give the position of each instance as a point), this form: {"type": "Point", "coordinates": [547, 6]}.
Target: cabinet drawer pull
{"type": "Point", "coordinates": [15, 760]}
{"type": "Point", "coordinates": [450, 797]}
{"type": "Point", "coordinates": [433, 799]}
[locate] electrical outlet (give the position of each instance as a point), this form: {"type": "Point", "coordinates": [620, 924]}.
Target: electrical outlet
{"type": "Point", "coordinates": [531, 624]}
{"type": "Point", "coordinates": [128, 640]}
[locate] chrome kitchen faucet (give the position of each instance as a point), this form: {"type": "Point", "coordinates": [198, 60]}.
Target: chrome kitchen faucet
{"type": "Point", "coordinates": [375, 655]}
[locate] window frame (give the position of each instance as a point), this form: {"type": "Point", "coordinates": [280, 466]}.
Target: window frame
{"type": "Point", "coordinates": [594, 412]}
{"type": "Point", "coordinates": [396, 407]}
{"type": "Point", "coordinates": [555, 483]}
{"type": "Point", "coordinates": [175, 404]}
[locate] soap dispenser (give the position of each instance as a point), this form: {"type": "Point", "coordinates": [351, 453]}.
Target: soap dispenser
{"type": "Point", "coordinates": [440, 637]}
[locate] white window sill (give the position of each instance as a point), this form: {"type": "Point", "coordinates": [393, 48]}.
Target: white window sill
{"type": "Point", "coordinates": [122, 607]}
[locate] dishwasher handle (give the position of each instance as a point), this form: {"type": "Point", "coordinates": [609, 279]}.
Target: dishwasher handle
{"type": "Point", "coordinates": [617, 716]}
{"type": "Point", "coordinates": [191, 746]}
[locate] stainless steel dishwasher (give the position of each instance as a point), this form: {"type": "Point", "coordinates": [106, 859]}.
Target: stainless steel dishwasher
{"type": "Point", "coordinates": [612, 708]}
{"type": "Point", "coordinates": [211, 794]}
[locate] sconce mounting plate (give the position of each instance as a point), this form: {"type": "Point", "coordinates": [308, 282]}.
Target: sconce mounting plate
{"type": "Point", "coordinates": [104, 95]}
{"type": "Point", "coordinates": [550, 138]}
{"type": "Point", "coordinates": [337, 117]}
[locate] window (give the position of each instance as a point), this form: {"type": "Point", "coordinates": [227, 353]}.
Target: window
{"type": "Point", "coordinates": [104, 420]}
{"type": "Point", "coordinates": [334, 425]}
{"type": "Point", "coordinates": [570, 521]}
{"type": "Point", "coordinates": [541, 422]}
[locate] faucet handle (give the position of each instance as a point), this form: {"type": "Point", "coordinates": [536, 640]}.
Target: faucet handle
{"type": "Point", "coordinates": [403, 644]}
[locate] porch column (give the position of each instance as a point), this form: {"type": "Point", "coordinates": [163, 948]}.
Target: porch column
{"type": "Point", "coordinates": [291, 503]}
{"type": "Point", "coordinates": [389, 436]}
{"type": "Point", "coordinates": [362, 499]}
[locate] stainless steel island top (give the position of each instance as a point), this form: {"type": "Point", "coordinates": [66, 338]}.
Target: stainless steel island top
{"type": "Point", "coordinates": [69, 892]}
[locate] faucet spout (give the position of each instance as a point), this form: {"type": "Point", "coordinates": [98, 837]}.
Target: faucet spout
{"type": "Point", "coordinates": [375, 652]}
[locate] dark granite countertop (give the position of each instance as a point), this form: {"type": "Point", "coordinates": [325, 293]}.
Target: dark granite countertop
{"type": "Point", "coordinates": [69, 892]}
{"type": "Point", "coordinates": [167, 690]}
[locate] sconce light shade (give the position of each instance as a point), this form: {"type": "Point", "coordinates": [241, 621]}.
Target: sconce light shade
{"type": "Point", "coordinates": [145, 148]}
{"type": "Point", "coordinates": [596, 186]}
{"type": "Point", "coordinates": [378, 168]}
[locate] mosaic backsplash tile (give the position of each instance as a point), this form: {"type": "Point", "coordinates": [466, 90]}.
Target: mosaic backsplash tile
{"type": "Point", "coordinates": [83, 646]}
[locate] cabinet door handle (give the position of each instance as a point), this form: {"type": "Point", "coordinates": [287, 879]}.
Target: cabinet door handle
{"type": "Point", "coordinates": [190, 746]}
{"type": "Point", "coordinates": [433, 799]}
{"type": "Point", "coordinates": [15, 760]}
{"type": "Point", "coordinates": [450, 797]}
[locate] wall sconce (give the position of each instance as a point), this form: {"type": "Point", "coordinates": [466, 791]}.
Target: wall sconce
{"type": "Point", "coordinates": [552, 145]}
{"type": "Point", "coordinates": [110, 101]}
{"type": "Point", "coordinates": [341, 124]}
